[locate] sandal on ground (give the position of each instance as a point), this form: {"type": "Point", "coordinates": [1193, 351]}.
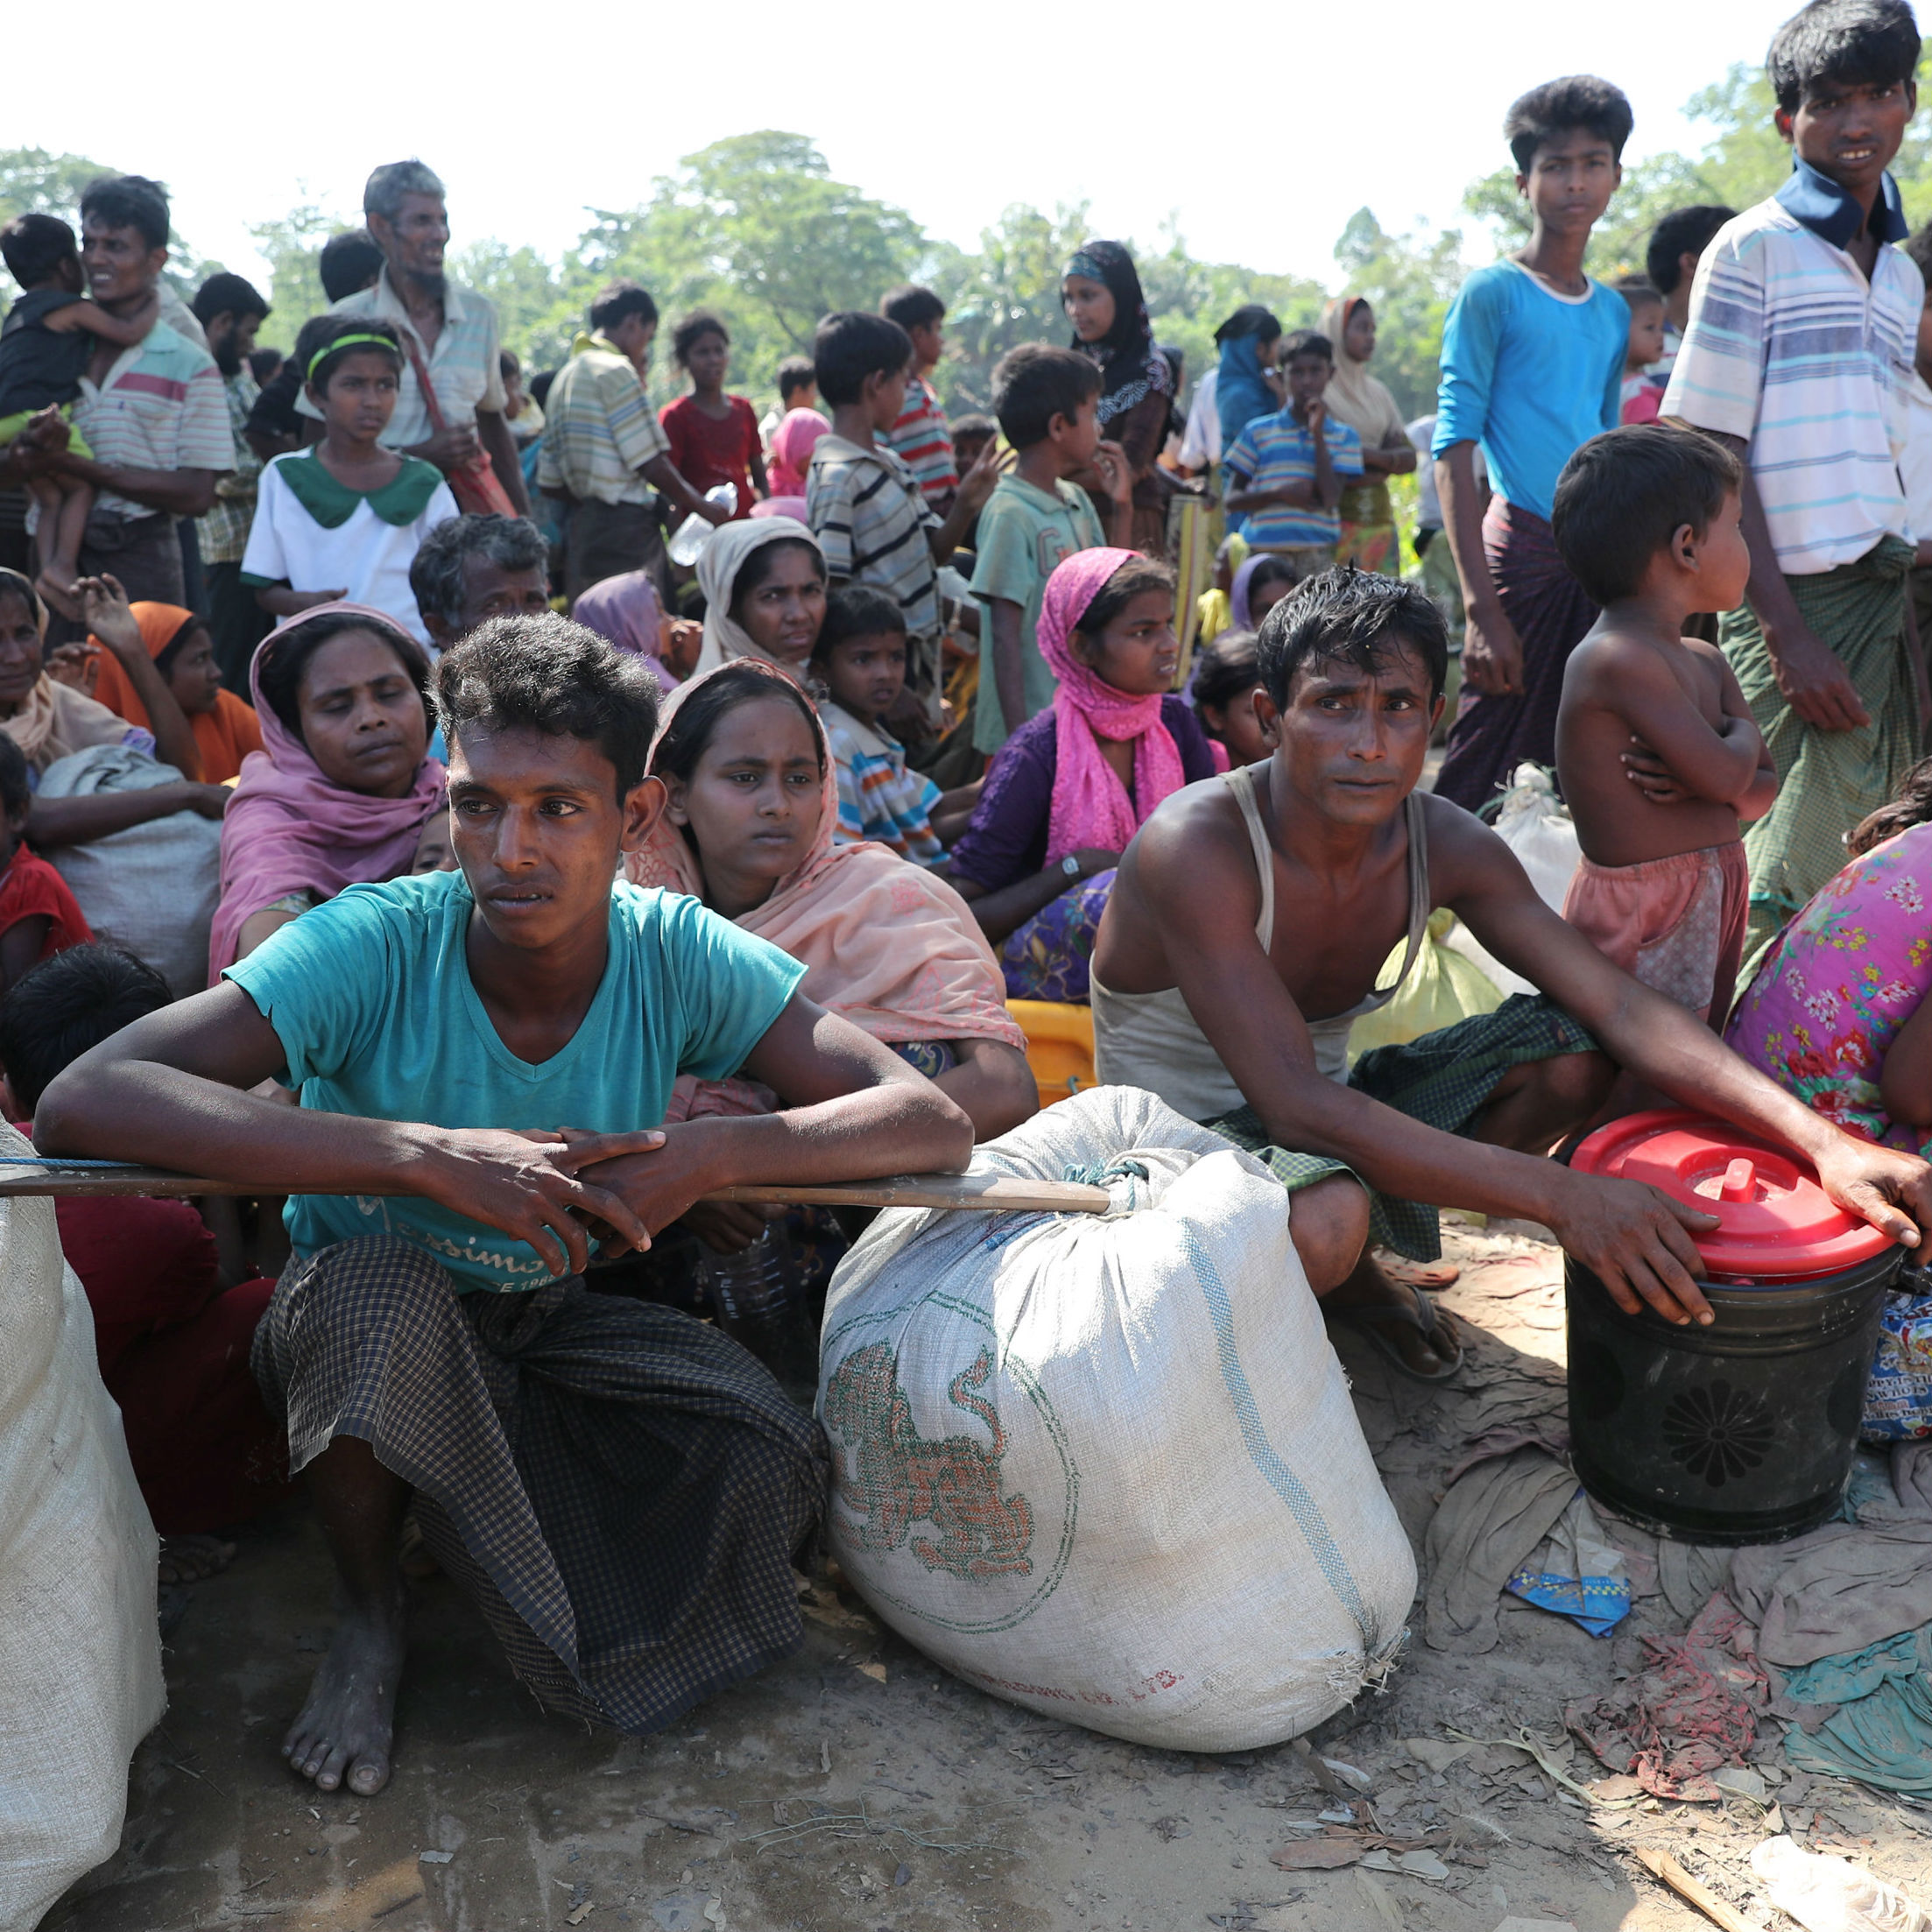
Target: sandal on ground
{"type": "Point", "coordinates": [1417, 1274]}
{"type": "Point", "coordinates": [1420, 1315]}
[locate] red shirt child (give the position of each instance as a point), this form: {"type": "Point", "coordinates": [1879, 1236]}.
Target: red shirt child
{"type": "Point", "coordinates": [38, 916]}
{"type": "Point", "coordinates": [713, 437]}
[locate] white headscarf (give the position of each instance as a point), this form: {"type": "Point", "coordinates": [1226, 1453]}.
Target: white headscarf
{"type": "Point", "coordinates": [719, 564]}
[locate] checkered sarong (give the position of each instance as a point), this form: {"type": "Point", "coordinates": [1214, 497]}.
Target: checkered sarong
{"type": "Point", "coordinates": [619, 1486]}
{"type": "Point", "coordinates": [1444, 1080]}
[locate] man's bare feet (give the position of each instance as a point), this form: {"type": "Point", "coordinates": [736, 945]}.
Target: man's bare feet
{"type": "Point", "coordinates": [189, 1559]}
{"type": "Point", "coordinates": [344, 1731]}
{"type": "Point", "coordinates": [1368, 1296]}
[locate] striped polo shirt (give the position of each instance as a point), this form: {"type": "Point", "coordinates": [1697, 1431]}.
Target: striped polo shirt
{"type": "Point", "coordinates": [599, 427]}
{"type": "Point", "coordinates": [871, 519]}
{"type": "Point", "coordinates": [1276, 450]}
{"type": "Point", "coordinates": [1790, 349]}
{"type": "Point", "coordinates": [921, 438]}
{"type": "Point", "coordinates": [161, 406]}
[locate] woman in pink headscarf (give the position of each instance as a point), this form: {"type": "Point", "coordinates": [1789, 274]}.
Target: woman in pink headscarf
{"type": "Point", "coordinates": [339, 790]}
{"type": "Point", "coordinates": [792, 444]}
{"type": "Point", "coordinates": [1070, 788]}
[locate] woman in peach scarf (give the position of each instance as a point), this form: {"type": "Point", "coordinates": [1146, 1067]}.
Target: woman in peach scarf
{"type": "Point", "coordinates": [754, 802]}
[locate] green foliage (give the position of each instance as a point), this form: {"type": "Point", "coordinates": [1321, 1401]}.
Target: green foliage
{"type": "Point", "coordinates": [32, 181]}
{"type": "Point", "coordinates": [1409, 280]}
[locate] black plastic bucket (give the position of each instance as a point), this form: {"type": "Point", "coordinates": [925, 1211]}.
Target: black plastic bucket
{"type": "Point", "coordinates": [1742, 1432]}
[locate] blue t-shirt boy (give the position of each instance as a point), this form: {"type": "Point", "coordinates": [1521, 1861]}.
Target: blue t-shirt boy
{"type": "Point", "coordinates": [371, 999]}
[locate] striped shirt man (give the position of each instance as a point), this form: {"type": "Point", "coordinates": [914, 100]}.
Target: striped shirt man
{"type": "Point", "coordinates": [464, 364]}
{"type": "Point", "coordinates": [923, 442]}
{"type": "Point", "coordinates": [161, 406]}
{"type": "Point", "coordinates": [1790, 349]}
{"type": "Point", "coordinates": [224, 531]}
{"type": "Point", "coordinates": [599, 427]}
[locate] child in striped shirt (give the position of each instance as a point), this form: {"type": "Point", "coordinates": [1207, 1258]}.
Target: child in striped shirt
{"type": "Point", "coordinates": [860, 658]}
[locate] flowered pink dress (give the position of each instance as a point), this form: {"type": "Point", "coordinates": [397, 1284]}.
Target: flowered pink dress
{"type": "Point", "coordinates": [1844, 975]}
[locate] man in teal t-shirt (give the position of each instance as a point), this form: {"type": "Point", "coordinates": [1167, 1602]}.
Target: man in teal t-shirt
{"type": "Point", "coordinates": [620, 1486]}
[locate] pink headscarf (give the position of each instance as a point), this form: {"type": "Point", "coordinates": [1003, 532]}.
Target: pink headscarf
{"type": "Point", "coordinates": [792, 443]}
{"type": "Point", "coordinates": [886, 943]}
{"type": "Point", "coordinates": [289, 829]}
{"type": "Point", "coordinates": [1091, 806]}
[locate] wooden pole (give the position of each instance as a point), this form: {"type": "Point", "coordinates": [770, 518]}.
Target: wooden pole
{"type": "Point", "coordinates": [983, 1194]}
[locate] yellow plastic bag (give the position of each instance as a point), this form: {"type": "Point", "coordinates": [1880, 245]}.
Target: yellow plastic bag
{"type": "Point", "coordinates": [1443, 988]}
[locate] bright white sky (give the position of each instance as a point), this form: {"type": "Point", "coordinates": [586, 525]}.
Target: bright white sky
{"type": "Point", "coordinates": [1262, 127]}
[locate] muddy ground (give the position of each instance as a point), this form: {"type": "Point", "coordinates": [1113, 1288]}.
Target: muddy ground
{"type": "Point", "coordinates": [858, 1786]}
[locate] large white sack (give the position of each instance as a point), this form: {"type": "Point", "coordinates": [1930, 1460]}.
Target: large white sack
{"type": "Point", "coordinates": [1535, 824]}
{"type": "Point", "coordinates": [152, 888]}
{"type": "Point", "coordinates": [1108, 1467]}
{"type": "Point", "coordinates": [80, 1649]}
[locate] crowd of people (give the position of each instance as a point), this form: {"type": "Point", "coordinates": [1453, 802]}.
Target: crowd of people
{"type": "Point", "coordinates": [615, 805]}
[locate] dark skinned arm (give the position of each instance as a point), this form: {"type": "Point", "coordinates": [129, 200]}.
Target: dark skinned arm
{"type": "Point", "coordinates": [1009, 658]}
{"type": "Point", "coordinates": [1001, 913]}
{"type": "Point", "coordinates": [992, 1083]}
{"type": "Point", "coordinates": [669, 480]}
{"type": "Point", "coordinates": [105, 610]}
{"type": "Point", "coordinates": [493, 431]}
{"type": "Point", "coordinates": [20, 946]}
{"type": "Point", "coordinates": [974, 489]}
{"type": "Point", "coordinates": [1395, 457]}
{"type": "Point", "coordinates": [180, 492]}
{"type": "Point", "coordinates": [1492, 653]}
{"type": "Point", "coordinates": [74, 822]}
{"type": "Point", "coordinates": [1905, 1082]}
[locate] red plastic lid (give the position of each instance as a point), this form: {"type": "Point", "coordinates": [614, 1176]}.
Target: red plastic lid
{"type": "Point", "coordinates": [1776, 1220]}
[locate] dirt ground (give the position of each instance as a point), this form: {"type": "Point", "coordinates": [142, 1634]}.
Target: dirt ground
{"type": "Point", "coordinates": [859, 1787]}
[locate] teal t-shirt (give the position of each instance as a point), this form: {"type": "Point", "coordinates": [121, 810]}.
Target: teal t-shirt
{"type": "Point", "coordinates": [371, 999]}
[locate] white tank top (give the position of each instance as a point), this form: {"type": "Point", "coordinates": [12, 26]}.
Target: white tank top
{"type": "Point", "coordinates": [1151, 1040]}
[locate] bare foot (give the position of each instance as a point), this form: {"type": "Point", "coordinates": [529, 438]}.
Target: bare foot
{"type": "Point", "coordinates": [1418, 1274]}
{"type": "Point", "coordinates": [346, 1725]}
{"type": "Point", "coordinates": [188, 1558]}
{"type": "Point", "coordinates": [1368, 1292]}
{"type": "Point", "coordinates": [58, 591]}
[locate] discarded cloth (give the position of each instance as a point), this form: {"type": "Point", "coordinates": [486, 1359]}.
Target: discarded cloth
{"type": "Point", "coordinates": [1485, 1528]}
{"type": "Point", "coordinates": [1876, 1722]}
{"type": "Point", "coordinates": [1695, 1709]}
{"type": "Point", "coordinates": [1836, 1590]}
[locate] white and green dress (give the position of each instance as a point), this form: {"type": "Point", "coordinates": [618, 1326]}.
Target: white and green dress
{"type": "Point", "coordinates": [313, 533]}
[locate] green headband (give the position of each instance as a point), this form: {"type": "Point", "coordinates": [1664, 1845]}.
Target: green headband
{"type": "Point", "coordinates": [351, 341]}
{"type": "Point", "coordinates": [1084, 264]}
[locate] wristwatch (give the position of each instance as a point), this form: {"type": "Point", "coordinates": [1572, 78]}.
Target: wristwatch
{"type": "Point", "coordinates": [1070, 865]}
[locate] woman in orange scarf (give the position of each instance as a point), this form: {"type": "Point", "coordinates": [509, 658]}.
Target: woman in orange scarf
{"type": "Point", "coordinates": [225, 728]}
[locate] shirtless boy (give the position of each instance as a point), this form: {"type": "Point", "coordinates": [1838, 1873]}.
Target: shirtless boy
{"type": "Point", "coordinates": [618, 1485]}
{"type": "Point", "coordinates": [1656, 749]}
{"type": "Point", "coordinates": [1227, 991]}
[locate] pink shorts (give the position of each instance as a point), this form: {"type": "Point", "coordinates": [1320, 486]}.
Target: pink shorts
{"type": "Point", "coordinates": [1675, 924]}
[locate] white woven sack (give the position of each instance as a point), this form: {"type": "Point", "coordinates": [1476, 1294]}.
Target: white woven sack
{"type": "Point", "coordinates": [152, 888]}
{"type": "Point", "coordinates": [80, 1649]}
{"type": "Point", "coordinates": [1535, 824]}
{"type": "Point", "coordinates": [1107, 1467]}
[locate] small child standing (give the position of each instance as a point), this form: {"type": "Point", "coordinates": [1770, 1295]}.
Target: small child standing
{"type": "Point", "coordinates": [46, 345]}
{"type": "Point", "coordinates": [38, 916]}
{"type": "Point", "coordinates": [1286, 471]}
{"type": "Point", "coordinates": [921, 434]}
{"type": "Point", "coordinates": [860, 656]}
{"type": "Point", "coordinates": [866, 509]}
{"type": "Point", "coordinates": [1656, 751]}
{"type": "Point", "coordinates": [1640, 393]}
{"type": "Point", "coordinates": [714, 438]}
{"type": "Point", "coordinates": [344, 516]}
{"type": "Point", "coordinates": [1047, 399]}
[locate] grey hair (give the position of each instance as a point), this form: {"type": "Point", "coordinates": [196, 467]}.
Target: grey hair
{"type": "Point", "coordinates": [436, 570]}
{"type": "Point", "coordinates": [382, 193]}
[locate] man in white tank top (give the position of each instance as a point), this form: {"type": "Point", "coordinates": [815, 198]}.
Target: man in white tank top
{"type": "Point", "coordinates": [1228, 990]}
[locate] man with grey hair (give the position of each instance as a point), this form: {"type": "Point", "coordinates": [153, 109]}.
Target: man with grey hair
{"type": "Point", "coordinates": [471, 567]}
{"type": "Point", "coordinates": [447, 329]}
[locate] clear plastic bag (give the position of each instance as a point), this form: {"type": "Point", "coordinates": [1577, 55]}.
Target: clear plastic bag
{"type": "Point", "coordinates": [1833, 1894]}
{"type": "Point", "coordinates": [689, 542]}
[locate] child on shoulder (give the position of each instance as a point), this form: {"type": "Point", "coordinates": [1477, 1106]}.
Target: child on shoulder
{"type": "Point", "coordinates": [1047, 400]}
{"type": "Point", "coordinates": [860, 656]}
{"type": "Point", "coordinates": [1656, 751]}
{"type": "Point", "coordinates": [1286, 471]}
{"type": "Point", "coordinates": [866, 509]}
{"type": "Point", "coordinates": [714, 438]}
{"type": "Point", "coordinates": [45, 345]}
{"type": "Point", "coordinates": [345, 517]}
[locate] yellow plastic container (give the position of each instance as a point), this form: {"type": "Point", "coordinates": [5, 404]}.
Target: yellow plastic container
{"type": "Point", "coordinates": [1060, 1046]}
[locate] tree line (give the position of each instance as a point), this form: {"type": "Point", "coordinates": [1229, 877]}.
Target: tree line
{"type": "Point", "coordinates": [756, 227]}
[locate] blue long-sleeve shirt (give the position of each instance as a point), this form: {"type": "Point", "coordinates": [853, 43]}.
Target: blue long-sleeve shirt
{"type": "Point", "coordinates": [1530, 375]}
